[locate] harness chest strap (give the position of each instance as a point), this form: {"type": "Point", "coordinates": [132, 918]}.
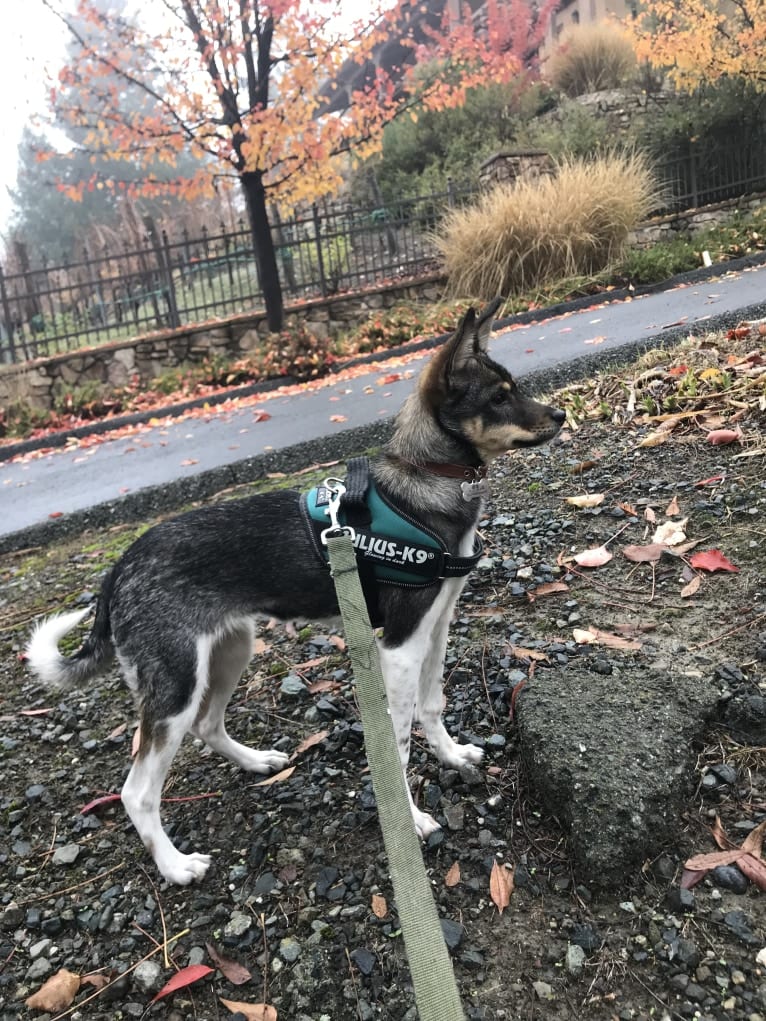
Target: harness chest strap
{"type": "Point", "coordinates": [403, 551]}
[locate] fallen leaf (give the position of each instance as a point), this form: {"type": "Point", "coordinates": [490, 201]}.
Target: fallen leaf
{"type": "Point", "coordinates": [718, 437]}
{"type": "Point", "coordinates": [747, 857]}
{"type": "Point", "coordinates": [628, 509]}
{"type": "Point", "coordinates": [118, 731]}
{"type": "Point", "coordinates": [649, 554]}
{"type": "Point", "coordinates": [57, 993]}
{"type": "Point", "coordinates": [235, 972]}
{"type": "Point", "coordinates": [338, 418]}
{"type": "Point", "coordinates": [596, 557]}
{"type": "Point", "coordinates": [392, 377]}
{"type": "Point", "coordinates": [654, 439]}
{"type": "Point", "coordinates": [309, 742]}
{"type": "Point", "coordinates": [261, 416]}
{"type": "Point", "coordinates": [583, 466]}
{"type": "Point", "coordinates": [183, 978]}
{"type": "Point", "coordinates": [586, 500]}
{"type": "Point", "coordinates": [379, 906]}
{"type": "Point", "coordinates": [338, 642]}
{"type": "Point", "coordinates": [519, 652]}
{"type": "Point", "coordinates": [453, 875]}
{"type": "Point", "coordinates": [548, 588]}
{"type": "Point", "coordinates": [594, 636]}
{"type": "Point", "coordinates": [692, 587]}
{"type": "Point", "coordinates": [500, 886]}
{"type": "Point", "coordinates": [595, 340]}
{"type": "Point", "coordinates": [135, 744]}
{"type": "Point", "coordinates": [35, 712]}
{"type": "Point", "coordinates": [711, 560]}
{"type": "Point", "coordinates": [188, 461]}
{"type": "Point", "coordinates": [672, 508]}
{"type": "Point", "coordinates": [670, 533]}
{"type": "Point", "coordinates": [56, 514]}
{"type": "Point", "coordinates": [107, 799]}
{"type": "Point", "coordinates": [251, 1011]}
{"type": "Point", "coordinates": [97, 980]}
{"type": "Point", "coordinates": [283, 774]}
{"type": "Point", "coordinates": [259, 647]}
{"type": "Point", "coordinates": [649, 515]}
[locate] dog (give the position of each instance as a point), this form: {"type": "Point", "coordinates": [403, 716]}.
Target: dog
{"type": "Point", "coordinates": [178, 609]}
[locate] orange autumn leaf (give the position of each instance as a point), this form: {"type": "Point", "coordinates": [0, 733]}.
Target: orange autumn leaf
{"type": "Point", "coordinates": [56, 994]}
{"type": "Point", "coordinates": [500, 886]}
{"type": "Point", "coordinates": [711, 560]}
{"type": "Point", "coordinates": [251, 1011]}
{"type": "Point", "coordinates": [379, 906]}
{"type": "Point", "coordinates": [453, 875]}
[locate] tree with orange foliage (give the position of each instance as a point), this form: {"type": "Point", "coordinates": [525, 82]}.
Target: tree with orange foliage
{"type": "Point", "coordinates": [701, 41]}
{"type": "Point", "coordinates": [246, 87]}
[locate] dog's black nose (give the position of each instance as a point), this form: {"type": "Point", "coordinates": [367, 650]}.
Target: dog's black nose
{"type": "Point", "coordinates": [558, 415]}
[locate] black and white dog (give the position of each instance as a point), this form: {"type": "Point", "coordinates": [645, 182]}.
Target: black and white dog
{"type": "Point", "coordinates": [178, 609]}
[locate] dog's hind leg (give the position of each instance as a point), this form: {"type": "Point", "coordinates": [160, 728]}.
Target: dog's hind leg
{"type": "Point", "coordinates": [141, 796]}
{"type": "Point", "coordinates": [228, 659]}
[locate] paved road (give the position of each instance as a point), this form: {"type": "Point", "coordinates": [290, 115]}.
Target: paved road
{"type": "Point", "coordinates": [165, 465]}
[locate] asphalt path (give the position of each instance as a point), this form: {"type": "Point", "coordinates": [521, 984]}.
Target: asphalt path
{"type": "Point", "coordinates": [164, 464]}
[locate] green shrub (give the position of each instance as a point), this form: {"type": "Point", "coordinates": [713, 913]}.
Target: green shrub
{"type": "Point", "coordinates": [592, 58]}
{"type": "Point", "coordinates": [663, 260]}
{"type": "Point", "coordinates": [528, 234]}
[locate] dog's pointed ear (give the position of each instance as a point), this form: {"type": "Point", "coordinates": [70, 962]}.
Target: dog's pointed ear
{"type": "Point", "coordinates": [471, 337]}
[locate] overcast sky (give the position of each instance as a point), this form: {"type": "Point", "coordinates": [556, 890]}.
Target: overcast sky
{"type": "Point", "coordinates": [33, 43]}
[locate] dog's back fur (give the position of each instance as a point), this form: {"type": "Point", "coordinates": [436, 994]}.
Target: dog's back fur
{"type": "Point", "coordinates": [177, 610]}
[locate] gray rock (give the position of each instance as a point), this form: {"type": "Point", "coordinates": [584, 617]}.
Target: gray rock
{"type": "Point", "coordinates": [66, 855]}
{"type": "Point", "coordinates": [289, 949]}
{"type": "Point", "coordinates": [39, 970]}
{"type": "Point", "coordinates": [575, 960]}
{"type": "Point", "coordinates": [620, 809]}
{"type": "Point", "coordinates": [148, 976]}
{"type": "Point", "coordinates": [40, 949]}
{"type": "Point", "coordinates": [543, 990]}
{"type": "Point", "coordinates": [237, 925]}
{"type": "Point", "coordinates": [293, 687]}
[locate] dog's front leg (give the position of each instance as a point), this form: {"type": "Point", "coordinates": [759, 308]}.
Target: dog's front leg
{"type": "Point", "coordinates": [431, 698]}
{"type": "Point", "coordinates": [401, 666]}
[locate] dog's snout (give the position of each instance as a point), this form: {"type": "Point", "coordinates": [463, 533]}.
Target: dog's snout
{"type": "Point", "coordinates": [558, 416]}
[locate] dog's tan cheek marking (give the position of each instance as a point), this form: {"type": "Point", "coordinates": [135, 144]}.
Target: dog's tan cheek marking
{"type": "Point", "coordinates": [494, 439]}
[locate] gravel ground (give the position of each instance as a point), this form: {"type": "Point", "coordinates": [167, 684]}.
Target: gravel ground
{"type": "Point", "coordinates": [299, 892]}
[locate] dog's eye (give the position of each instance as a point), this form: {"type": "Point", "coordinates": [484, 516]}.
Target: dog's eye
{"type": "Point", "coordinates": [500, 396]}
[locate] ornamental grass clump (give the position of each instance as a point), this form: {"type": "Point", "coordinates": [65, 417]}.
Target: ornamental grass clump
{"type": "Point", "coordinates": [592, 58]}
{"type": "Point", "coordinates": [535, 232]}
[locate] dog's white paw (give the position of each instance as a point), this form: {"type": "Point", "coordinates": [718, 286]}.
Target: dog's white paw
{"type": "Point", "coordinates": [459, 755]}
{"type": "Point", "coordinates": [183, 869]}
{"type": "Point", "coordinates": [425, 824]}
{"type": "Point", "coordinates": [269, 761]}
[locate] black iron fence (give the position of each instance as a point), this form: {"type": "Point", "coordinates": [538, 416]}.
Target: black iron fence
{"type": "Point", "coordinates": [170, 282]}
{"type": "Point", "coordinates": [165, 282]}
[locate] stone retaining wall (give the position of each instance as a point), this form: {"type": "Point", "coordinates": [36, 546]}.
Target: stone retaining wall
{"type": "Point", "coordinates": [114, 364]}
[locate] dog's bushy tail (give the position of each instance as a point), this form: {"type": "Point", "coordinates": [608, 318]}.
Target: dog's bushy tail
{"type": "Point", "coordinates": [93, 657]}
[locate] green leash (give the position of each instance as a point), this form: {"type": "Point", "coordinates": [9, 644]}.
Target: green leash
{"type": "Point", "coordinates": [436, 992]}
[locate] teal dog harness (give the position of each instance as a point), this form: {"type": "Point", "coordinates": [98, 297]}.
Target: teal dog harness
{"type": "Point", "coordinates": [392, 547]}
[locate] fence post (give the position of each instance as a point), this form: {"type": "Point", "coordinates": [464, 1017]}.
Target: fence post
{"type": "Point", "coordinates": [693, 174]}
{"type": "Point", "coordinates": [320, 257]}
{"type": "Point", "coordinates": [10, 354]}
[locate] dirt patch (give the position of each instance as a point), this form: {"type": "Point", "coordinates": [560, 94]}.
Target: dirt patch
{"type": "Point", "coordinates": [605, 767]}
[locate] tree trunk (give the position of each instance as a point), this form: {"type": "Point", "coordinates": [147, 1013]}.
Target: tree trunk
{"type": "Point", "coordinates": [260, 228]}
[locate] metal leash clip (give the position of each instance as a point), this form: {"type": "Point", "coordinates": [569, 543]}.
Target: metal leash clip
{"type": "Point", "coordinates": [337, 490]}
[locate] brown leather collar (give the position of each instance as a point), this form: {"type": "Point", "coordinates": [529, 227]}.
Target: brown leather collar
{"type": "Point", "coordinates": [448, 470]}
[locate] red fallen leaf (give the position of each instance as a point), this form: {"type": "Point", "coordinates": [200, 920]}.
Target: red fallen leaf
{"type": "Point", "coordinates": [711, 560]}
{"type": "Point", "coordinates": [720, 436]}
{"type": "Point", "coordinates": [678, 370]}
{"type": "Point", "coordinates": [261, 416]}
{"type": "Point", "coordinates": [690, 878]}
{"type": "Point", "coordinates": [56, 514]}
{"type": "Point", "coordinates": [514, 696]}
{"type": "Point", "coordinates": [738, 333]}
{"type": "Point", "coordinates": [379, 906]}
{"type": "Point", "coordinates": [183, 978]}
{"type": "Point", "coordinates": [106, 799]}
{"type": "Point", "coordinates": [453, 875]}
{"type": "Point", "coordinates": [189, 460]}
{"type": "Point", "coordinates": [235, 972]}
{"type": "Point", "coordinates": [393, 377]}
{"type": "Point", "coordinates": [338, 418]}
{"type": "Point", "coordinates": [548, 588]}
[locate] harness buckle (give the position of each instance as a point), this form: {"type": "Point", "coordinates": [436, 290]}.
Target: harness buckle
{"type": "Point", "coordinates": [337, 491]}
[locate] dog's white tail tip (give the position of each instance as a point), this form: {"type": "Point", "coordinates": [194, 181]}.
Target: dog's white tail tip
{"type": "Point", "coordinates": [42, 652]}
